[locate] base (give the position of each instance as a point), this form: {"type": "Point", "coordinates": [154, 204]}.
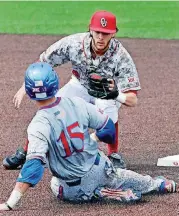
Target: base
{"type": "Point", "coordinates": [169, 161]}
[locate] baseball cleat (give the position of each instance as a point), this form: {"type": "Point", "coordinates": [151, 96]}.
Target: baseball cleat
{"type": "Point", "coordinates": [168, 186]}
{"type": "Point", "coordinates": [16, 160]}
{"type": "Point", "coordinates": [117, 160]}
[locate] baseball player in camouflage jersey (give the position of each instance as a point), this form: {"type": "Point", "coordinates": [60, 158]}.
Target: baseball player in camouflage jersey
{"type": "Point", "coordinates": [103, 73]}
{"type": "Point", "coordinates": [58, 135]}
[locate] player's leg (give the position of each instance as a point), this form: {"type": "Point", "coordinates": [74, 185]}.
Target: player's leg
{"type": "Point", "coordinates": [114, 151]}
{"type": "Point", "coordinates": [82, 189]}
{"type": "Point", "coordinates": [95, 185]}
{"type": "Point", "coordinates": [104, 182]}
{"type": "Point", "coordinates": [127, 179]}
{"type": "Point", "coordinates": [128, 186]}
{"type": "Point", "coordinates": [111, 107]}
{"type": "Point", "coordinates": [78, 193]}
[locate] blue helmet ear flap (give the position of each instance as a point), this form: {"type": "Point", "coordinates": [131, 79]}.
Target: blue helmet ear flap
{"type": "Point", "coordinates": [41, 81]}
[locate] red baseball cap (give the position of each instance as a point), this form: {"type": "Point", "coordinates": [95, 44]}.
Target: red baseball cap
{"type": "Point", "coordinates": [103, 21]}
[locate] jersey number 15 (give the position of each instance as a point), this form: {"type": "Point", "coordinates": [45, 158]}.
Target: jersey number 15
{"type": "Point", "coordinates": [72, 141]}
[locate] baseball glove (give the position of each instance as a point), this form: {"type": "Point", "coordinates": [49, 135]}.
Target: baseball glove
{"type": "Point", "coordinates": [99, 87]}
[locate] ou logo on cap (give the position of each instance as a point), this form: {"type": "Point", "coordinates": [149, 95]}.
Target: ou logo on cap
{"type": "Point", "coordinates": [103, 22]}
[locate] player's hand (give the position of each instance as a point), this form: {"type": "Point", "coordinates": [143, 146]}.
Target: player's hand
{"type": "Point", "coordinates": [3, 207]}
{"type": "Point", "coordinates": [102, 87]}
{"type": "Point", "coordinates": [94, 137]}
{"type": "Point", "coordinates": [18, 97]}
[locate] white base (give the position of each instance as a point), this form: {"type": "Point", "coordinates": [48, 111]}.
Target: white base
{"type": "Point", "coordinates": [168, 161]}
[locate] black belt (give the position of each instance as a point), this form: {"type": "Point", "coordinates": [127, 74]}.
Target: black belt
{"type": "Point", "coordinates": [78, 182]}
{"type": "Point", "coordinates": [74, 183]}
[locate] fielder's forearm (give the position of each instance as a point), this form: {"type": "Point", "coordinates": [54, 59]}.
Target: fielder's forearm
{"type": "Point", "coordinates": [129, 99]}
{"type": "Point", "coordinates": [23, 87]}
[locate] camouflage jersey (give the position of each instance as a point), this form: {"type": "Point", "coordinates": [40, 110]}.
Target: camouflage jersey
{"type": "Point", "coordinates": [116, 63]}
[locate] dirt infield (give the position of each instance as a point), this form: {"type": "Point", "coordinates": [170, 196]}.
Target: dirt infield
{"type": "Point", "coordinates": [148, 131]}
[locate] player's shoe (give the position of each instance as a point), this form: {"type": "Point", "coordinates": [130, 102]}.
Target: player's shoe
{"type": "Point", "coordinates": [168, 186]}
{"type": "Point", "coordinates": [117, 160]}
{"type": "Point", "coordinates": [16, 160]}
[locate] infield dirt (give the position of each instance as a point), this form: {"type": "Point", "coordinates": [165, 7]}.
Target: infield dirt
{"type": "Point", "coordinates": [148, 131]}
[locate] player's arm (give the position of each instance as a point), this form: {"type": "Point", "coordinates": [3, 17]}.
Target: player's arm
{"type": "Point", "coordinates": [17, 99]}
{"type": "Point", "coordinates": [104, 126]}
{"type": "Point", "coordinates": [29, 176]}
{"type": "Point", "coordinates": [107, 132]}
{"type": "Point", "coordinates": [33, 169]}
{"type": "Point", "coordinates": [128, 80]}
{"type": "Point", "coordinates": [128, 98]}
{"type": "Point", "coordinates": [58, 53]}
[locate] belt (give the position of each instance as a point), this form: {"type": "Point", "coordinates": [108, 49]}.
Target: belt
{"type": "Point", "coordinates": [78, 181]}
{"type": "Point", "coordinates": [74, 183]}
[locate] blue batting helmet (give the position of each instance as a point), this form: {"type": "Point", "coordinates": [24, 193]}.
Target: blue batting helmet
{"type": "Point", "coordinates": [41, 81]}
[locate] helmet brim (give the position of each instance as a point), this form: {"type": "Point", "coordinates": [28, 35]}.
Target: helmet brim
{"type": "Point", "coordinates": [103, 30]}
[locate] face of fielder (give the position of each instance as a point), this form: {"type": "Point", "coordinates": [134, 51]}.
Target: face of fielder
{"type": "Point", "coordinates": [101, 40]}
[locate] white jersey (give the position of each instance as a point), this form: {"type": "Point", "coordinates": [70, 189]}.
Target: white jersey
{"type": "Point", "coordinates": [59, 134]}
{"type": "Point", "coordinates": [116, 63]}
